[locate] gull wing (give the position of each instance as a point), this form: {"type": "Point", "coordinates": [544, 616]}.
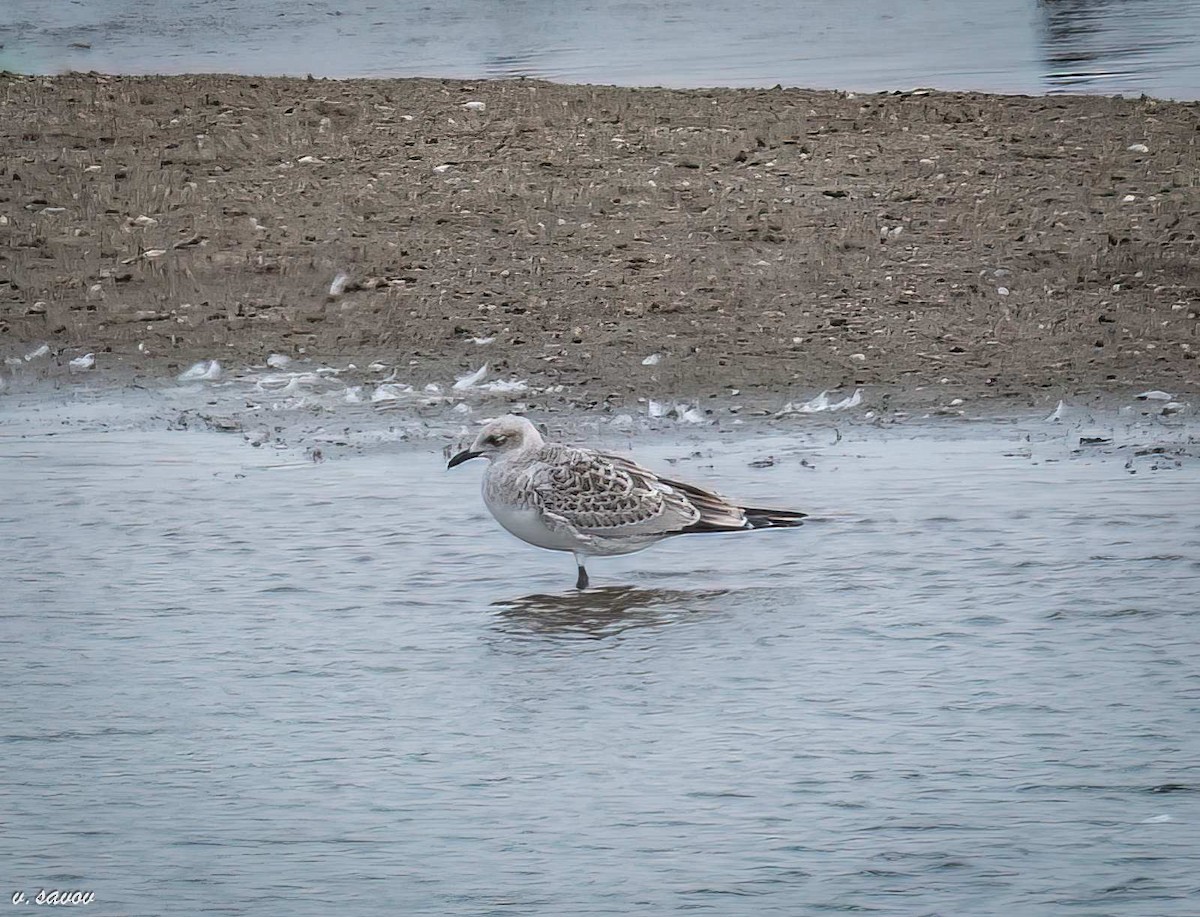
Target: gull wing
{"type": "Point", "coordinates": [715, 513]}
{"type": "Point", "coordinates": [607, 496]}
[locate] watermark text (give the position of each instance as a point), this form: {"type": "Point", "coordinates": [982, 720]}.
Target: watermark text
{"type": "Point", "coordinates": [55, 896]}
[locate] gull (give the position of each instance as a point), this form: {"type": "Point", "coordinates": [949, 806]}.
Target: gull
{"type": "Point", "coordinates": [595, 504]}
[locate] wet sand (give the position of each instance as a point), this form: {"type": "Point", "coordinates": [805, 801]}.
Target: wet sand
{"type": "Point", "coordinates": [775, 242]}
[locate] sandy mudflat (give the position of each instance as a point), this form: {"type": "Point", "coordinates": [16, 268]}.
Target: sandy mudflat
{"type": "Point", "coordinates": [776, 242]}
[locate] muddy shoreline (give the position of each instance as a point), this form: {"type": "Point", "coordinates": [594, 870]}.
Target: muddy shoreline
{"type": "Point", "coordinates": [603, 244]}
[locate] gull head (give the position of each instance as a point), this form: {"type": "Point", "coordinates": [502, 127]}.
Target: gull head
{"type": "Point", "coordinates": [499, 437]}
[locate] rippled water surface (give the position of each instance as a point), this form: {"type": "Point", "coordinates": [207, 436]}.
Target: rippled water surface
{"type": "Point", "coordinates": [1028, 46]}
{"type": "Point", "coordinates": [238, 683]}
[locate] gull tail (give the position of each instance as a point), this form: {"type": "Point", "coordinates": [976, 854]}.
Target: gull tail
{"type": "Point", "coordinates": [720, 515]}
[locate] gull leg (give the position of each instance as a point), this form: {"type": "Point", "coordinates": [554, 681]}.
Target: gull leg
{"type": "Point", "coordinates": [582, 581]}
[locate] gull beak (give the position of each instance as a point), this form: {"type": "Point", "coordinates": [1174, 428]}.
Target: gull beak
{"type": "Point", "coordinates": [465, 456]}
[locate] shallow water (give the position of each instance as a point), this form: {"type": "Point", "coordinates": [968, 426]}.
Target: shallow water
{"type": "Point", "coordinates": [239, 683]}
{"type": "Point", "coordinates": [1025, 46]}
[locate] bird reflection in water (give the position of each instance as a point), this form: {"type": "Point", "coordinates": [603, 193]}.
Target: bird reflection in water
{"type": "Point", "coordinates": [602, 612]}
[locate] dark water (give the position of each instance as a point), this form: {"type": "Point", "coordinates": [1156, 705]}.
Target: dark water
{"type": "Point", "coordinates": [234, 683]}
{"type": "Point", "coordinates": [1026, 46]}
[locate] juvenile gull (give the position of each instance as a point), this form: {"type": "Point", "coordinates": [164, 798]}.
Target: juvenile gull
{"type": "Point", "coordinates": [595, 504]}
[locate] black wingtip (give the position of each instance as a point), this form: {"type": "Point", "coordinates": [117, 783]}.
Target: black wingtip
{"type": "Point", "coordinates": [755, 519]}
{"type": "Point", "coordinates": [773, 518]}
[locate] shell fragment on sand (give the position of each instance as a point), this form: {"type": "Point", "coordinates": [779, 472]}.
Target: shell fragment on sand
{"type": "Point", "coordinates": [338, 286]}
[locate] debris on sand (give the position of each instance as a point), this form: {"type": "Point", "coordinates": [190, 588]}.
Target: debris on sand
{"type": "Point", "coordinates": [504, 386]}
{"type": "Point", "coordinates": [683, 413]}
{"type": "Point", "coordinates": [470, 379]}
{"type": "Point", "coordinates": [204, 371]}
{"type": "Point", "coordinates": [1059, 413]}
{"type": "Point", "coordinates": [84, 363]}
{"type": "Point", "coordinates": [391, 391]}
{"type": "Point", "coordinates": [286, 383]}
{"type": "Point", "coordinates": [822, 403]}
{"type": "Point", "coordinates": [1155, 395]}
